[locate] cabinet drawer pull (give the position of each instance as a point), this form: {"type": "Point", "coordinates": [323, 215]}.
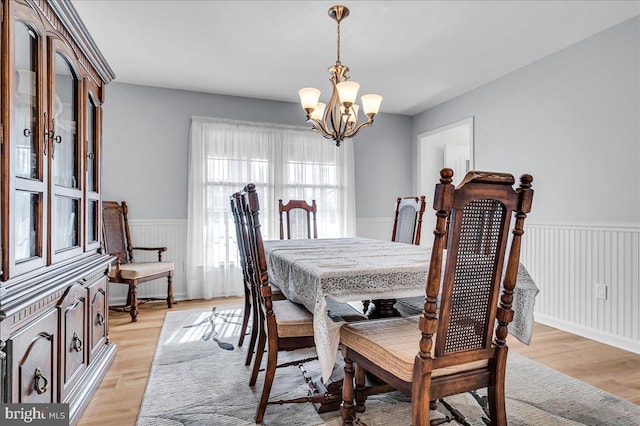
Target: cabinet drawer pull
{"type": "Point", "coordinates": [99, 318]}
{"type": "Point", "coordinates": [76, 343]}
{"type": "Point", "coordinates": [39, 378]}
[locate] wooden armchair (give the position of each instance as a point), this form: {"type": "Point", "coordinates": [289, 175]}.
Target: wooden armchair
{"type": "Point", "coordinates": [298, 205]}
{"type": "Point", "coordinates": [407, 223]}
{"type": "Point", "coordinates": [458, 350]}
{"type": "Point", "coordinates": [117, 241]}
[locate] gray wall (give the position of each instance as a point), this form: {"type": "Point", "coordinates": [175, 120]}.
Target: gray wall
{"type": "Point", "coordinates": [572, 120]}
{"type": "Point", "coordinates": [146, 143]}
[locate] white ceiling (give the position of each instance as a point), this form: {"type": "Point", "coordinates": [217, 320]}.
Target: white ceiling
{"type": "Point", "coordinates": [416, 54]}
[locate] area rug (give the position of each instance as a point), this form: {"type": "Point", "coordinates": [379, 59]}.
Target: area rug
{"type": "Point", "coordinates": [198, 377]}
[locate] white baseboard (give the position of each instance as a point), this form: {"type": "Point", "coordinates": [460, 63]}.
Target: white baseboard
{"type": "Point", "coordinates": [589, 333]}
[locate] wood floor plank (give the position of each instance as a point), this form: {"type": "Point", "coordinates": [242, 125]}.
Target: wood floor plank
{"type": "Point", "coordinates": [119, 396]}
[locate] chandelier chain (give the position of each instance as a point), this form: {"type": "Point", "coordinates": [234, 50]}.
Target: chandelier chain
{"type": "Point", "coordinates": [338, 49]}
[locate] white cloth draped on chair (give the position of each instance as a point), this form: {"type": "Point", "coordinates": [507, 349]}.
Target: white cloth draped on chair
{"type": "Point", "coordinates": [284, 162]}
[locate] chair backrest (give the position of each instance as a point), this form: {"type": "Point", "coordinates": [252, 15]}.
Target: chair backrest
{"type": "Point", "coordinates": [235, 202]}
{"type": "Point", "coordinates": [251, 208]}
{"type": "Point", "coordinates": [407, 223]}
{"type": "Point", "coordinates": [115, 228]}
{"type": "Point", "coordinates": [480, 211]}
{"type": "Point", "coordinates": [303, 212]}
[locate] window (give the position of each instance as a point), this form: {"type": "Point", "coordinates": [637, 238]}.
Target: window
{"type": "Point", "coordinates": [285, 163]}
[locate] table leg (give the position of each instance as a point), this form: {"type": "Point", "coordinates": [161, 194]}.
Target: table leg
{"type": "Point", "coordinates": [382, 308]}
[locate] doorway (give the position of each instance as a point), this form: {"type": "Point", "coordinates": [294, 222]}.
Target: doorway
{"type": "Point", "coordinates": [448, 146]}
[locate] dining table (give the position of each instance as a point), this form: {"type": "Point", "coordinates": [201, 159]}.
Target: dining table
{"type": "Point", "coordinates": [308, 271]}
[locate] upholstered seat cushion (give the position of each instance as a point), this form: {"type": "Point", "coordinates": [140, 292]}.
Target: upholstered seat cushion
{"type": "Point", "coordinates": [393, 345]}
{"type": "Point", "coordinates": [132, 271]}
{"type": "Point", "coordinates": [293, 320]}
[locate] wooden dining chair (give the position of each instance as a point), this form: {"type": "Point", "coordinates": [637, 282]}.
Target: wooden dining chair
{"type": "Point", "coordinates": [407, 227]}
{"type": "Point", "coordinates": [298, 206]}
{"type": "Point", "coordinates": [407, 222]}
{"type": "Point", "coordinates": [246, 264]}
{"type": "Point", "coordinates": [117, 242]}
{"type": "Point", "coordinates": [284, 325]}
{"type": "Point", "coordinates": [452, 348]}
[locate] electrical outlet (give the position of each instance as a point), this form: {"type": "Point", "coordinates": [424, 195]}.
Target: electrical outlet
{"type": "Point", "coordinates": [601, 291]}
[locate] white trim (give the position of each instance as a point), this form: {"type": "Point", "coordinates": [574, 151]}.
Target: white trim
{"type": "Point", "coordinates": [470, 120]}
{"type": "Point", "coordinates": [374, 220]}
{"type": "Point", "coordinates": [615, 227]}
{"type": "Point", "coordinates": [589, 333]}
{"type": "Point", "coordinates": [154, 222]}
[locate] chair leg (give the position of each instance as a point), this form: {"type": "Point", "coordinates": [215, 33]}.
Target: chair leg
{"type": "Point", "coordinates": [170, 300]}
{"type": "Point", "coordinates": [272, 362]}
{"type": "Point", "coordinates": [420, 398]}
{"type": "Point", "coordinates": [133, 302]}
{"type": "Point", "coordinates": [262, 337]}
{"type": "Point", "coordinates": [360, 388]}
{"type": "Point", "coordinates": [347, 410]}
{"type": "Point", "coordinates": [245, 319]}
{"type": "Point", "coordinates": [495, 390]}
{"type": "Point", "coordinates": [254, 335]}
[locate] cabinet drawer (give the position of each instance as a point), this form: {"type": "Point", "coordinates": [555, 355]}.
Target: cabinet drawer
{"type": "Point", "coordinates": [73, 329]}
{"type": "Point", "coordinates": [98, 316]}
{"type": "Point", "coordinates": [34, 353]}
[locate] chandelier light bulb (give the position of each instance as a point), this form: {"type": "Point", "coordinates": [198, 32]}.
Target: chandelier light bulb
{"type": "Point", "coordinates": [371, 104]}
{"type": "Point", "coordinates": [353, 116]}
{"type": "Point", "coordinates": [347, 92]}
{"type": "Point", "coordinates": [318, 112]}
{"type": "Point", "coordinates": [309, 98]}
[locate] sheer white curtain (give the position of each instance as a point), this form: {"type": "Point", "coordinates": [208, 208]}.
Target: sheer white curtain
{"type": "Point", "coordinates": [284, 162]}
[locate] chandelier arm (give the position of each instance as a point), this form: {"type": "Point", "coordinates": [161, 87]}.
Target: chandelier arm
{"type": "Point", "coordinates": [362, 126]}
{"type": "Point", "coordinates": [317, 125]}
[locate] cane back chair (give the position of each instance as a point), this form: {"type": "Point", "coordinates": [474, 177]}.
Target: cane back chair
{"type": "Point", "coordinates": [298, 206]}
{"type": "Point", "coordinates": [458, 350]}
{"type": "Point", "coordinates": [117, 241]}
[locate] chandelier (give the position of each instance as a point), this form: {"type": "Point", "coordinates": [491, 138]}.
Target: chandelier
{"type": "Point", "coordinates": [338, 119]}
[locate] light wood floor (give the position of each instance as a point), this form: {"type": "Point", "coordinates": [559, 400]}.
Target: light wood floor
{"type": "Point", "coordinates": [118, 399]}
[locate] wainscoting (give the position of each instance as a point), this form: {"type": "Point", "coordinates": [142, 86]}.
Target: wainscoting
{"type": "Point", "coordinates": [566, 262]}
{"type": "Point", "coordinates": [169, 233]}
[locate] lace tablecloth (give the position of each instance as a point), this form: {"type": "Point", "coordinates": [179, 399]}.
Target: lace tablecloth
{"type": "Point", "coordinates": [353, 269]}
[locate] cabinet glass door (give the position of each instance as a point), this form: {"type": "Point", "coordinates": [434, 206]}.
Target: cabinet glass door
{"type": "Point", "coordinates": [66, 202]}
{"type": "Point", "coordinates": [27, 183]}
{"type": "Point", "coordinates": [65, 124]}
{"type": "Point", "coordinates": [93, 116]}
{"type": "Point", "coordinates": [25, 122]}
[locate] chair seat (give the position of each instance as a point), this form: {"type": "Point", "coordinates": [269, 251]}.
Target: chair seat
{"type": "Point", "coordinates": [393, 345]}
{"type": "Point", "coordinates": [132, 271]}
{"type": "Point", "coordinates": [293, 320]}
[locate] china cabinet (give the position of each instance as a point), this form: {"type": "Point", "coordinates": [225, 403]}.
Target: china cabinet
{"type": "Point", "coordinates": [54, 343]}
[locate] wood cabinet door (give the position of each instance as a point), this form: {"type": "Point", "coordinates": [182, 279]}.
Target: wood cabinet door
{"type": "Point", "coordinates": [35, 370]}
{"type": "Point", "coordinates": [98, 316]}
{"type": "Point", "coordinates": [73, 338]}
